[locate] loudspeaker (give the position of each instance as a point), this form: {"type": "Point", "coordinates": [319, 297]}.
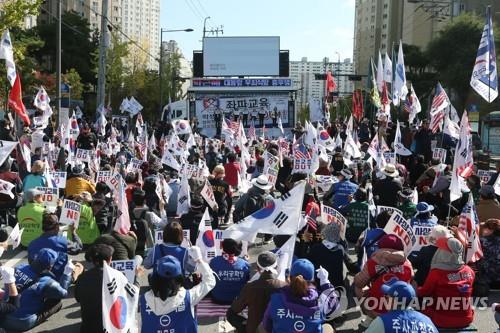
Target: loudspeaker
{"type": "Point", "coordinates": [284, 63]}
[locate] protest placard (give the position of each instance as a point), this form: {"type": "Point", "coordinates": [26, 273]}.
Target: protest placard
{"type": "Point", "coordinates": [484, 176]}
{"type": "Point", "coordinates": [402, 229]}
{"type": "Point", "coordinates": [103, 176]}
{"type": "Point", "coordinates": [421, 233]}
{"type": "Point", "coordinates": [390, 157]}
{"type": "Point", "coordinates": [331, 215]}
{"type": "Point", "coordinates": [50, 196]}
{"type": "Point", "coordinates": [208, 194]}
{"type": "Point", "coordinates": [439, 153]}
{"type": "Point", "coordinates": [70, 213]}
{"type": "Point", "coordinates": [390, 209]}
{"type": "Point", "coordinates": [82, 155]}
{"type": "Point", "coordinates": [127, 267]}
{"type": "Point", "coordinates": [59, 178]}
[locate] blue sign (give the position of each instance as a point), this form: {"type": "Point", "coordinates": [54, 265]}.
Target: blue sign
{"type": "Point", "coordinates": [243, 83]}
{"type": "Point", "coordinates": [65, 88]}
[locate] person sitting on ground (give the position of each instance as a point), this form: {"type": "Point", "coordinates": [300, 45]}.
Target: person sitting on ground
{"type": "Point", "coordinates": [401, 295]}
{"type": "Point", "coordinates": [10, 200]}
{"type": "Point", "coordinates": [449, 277]}
{"type": "Point", "coordinates": [42, 298]}
{"type": "Point", "coordinates": [103, 208]}
{"type": "Point", "coordinates": [488, 275]}
{"type": "Point", "coordinates": [422, 262]}
{"type": "Point", "coordinates": [123, 245]}
{"type": "Point", "coordinates": [172, 240]}
{"type": "Point", "coordinates": [78, 182]}
{"type": "Point", "coordinates": [88, 288]}
{"type": "Point", "coordinates": [308, 311]}
{"type": "Point", "coordinates": [389, 260]}
{"type": "Point", "coordinates": [422, 224]}
{"type": "Point", "coordinates": [357, 215]}
{"type": "Point", "coordinates": [50, 239]}
{"type": "Point", "coordinates": [405, 203]}
{"type": "Point", "coordinates": [30, 216]}
{"type": "Point", "coordinates": [35, 178]}
{"type": "Point", "coordinates": [255, 295]}
{"type": "Point", "coordinates": [338, 195]}
{"type": "Point", "coordinates": [191, 220]}
{"type": "Point", "coordinates": [88, 231]}
{"type": "Point", "coordinates": [488, 206]}
{"type": "Point", "coordinates": [10, 294]}
{"type": "Point", "coordinates": [233, 272]}
{"type": "Point", "coordinates": [168, 298]}
{"type": "Point", "coordinates": [385, 191]}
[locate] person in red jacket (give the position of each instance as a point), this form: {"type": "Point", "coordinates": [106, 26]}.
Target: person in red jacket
{"type": "Point", "coordinates": [449, 283]}
{"type": "Point", "coordinates": [388, 262]}
{"type": "Point", "coordinates": [232, 169]}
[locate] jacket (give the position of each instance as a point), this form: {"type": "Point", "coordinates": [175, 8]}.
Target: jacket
{"type": "Point", "coordinates": [487, 209]}
{"type": "Point", "coordinates": [330, 258]}
{"type": "Point", "coordinates": [385, 191]}
{"type": "Point", "coordinates": [232, 170]}
{"type": "Point", "coordinates": [87, 227]}
{"type": "Point", "coordinates": [124, 245]}
{"type": "Point", "coordinates": [232, 278]}
{"type": "Point", "coordinates": [449, 285]}
{"type": "Point", "coordinates": [421, 262]}
{"type": "Point", "coordinates": [88, 292]}
{"type": "Point", "coordinates": [77, 185]}
{"type": "Point", "coordinates": [256, 295]}
{"type": "Point", "coordinates": [398, 320]}
{"type": "Point", "coordinates": [30, 218]}
{"type": "Point", "coordinates": [340, 192]}
{"type": "Point", "coordinates": [382, 265]}
{"type": "Point", "coordinates": [32, 181]}
{"type": "Point", "coordinates": [489, 269]}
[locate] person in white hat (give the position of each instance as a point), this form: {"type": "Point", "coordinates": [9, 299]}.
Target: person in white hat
{"type": "Point", "coordinates": [385, 191]}
{"type": "Point", "coordinates": [253, 200]}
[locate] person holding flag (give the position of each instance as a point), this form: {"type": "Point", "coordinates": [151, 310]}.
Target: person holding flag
{"type": "Point", "coordinates": [168, 305]}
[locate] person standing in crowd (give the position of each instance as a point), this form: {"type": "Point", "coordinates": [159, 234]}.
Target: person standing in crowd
{"type": "Point", "coordinates": [244, 114]}
{"type": "Point", "coordinates": [301, 299]}
{"type": "Point", "coordinates": [423, 141]}
{"type": "Point", "coordinates": [88, 288]}
{"type": "Point", "coordinates": [223, 197]}
{"type": "Point", "coordinates": [50, 239]}
{"type": "Point", "coordinates": [385, 191]}
{"type": "Point", "coordinates": [36, 177]}
{"type": "Point", "coordinates": [253, 200]}
{"type": "Point", "coordinates": [449, 277]}
{"type": "Point", "coordinates": [338, 195]}
{"type": "Point", "coordinates": [232, 171]}
{"type": "Point", "coordinates": [274, 116]}
{"type": "Point", "coordinates": [78, 182]}
{"type": "Point", "coordinates": [168, 296]}
{"type": "Point", "coordinates": [401, 295]}
{"type": "Point", "coordinates": [488, 206]}
{"type": "Point", "coordinates": [233, 272]}
{"type": "Point", "coordinates": [86, 139]}
{"type": "Point", "coordinates": [255, 295]}
{"type": "Point", "coordinates": [262, 116]}
{"type": "Point", "coordinates": [30, 216]}
{"type": "Point", "coordinates": [357, 215]}
{"type": "Point", "coordinates": [191, 220]}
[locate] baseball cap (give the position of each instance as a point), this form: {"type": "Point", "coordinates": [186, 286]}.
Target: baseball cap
{"type": "Point", "coordinates": [303, 267]}
{"type": "Point", "coordinates": [391, 242]}
{"type": "Point", "coordinates": [168, 267]}
{"type": "Point", "coordinates": [45, 258]}
{"type": "Point", "coordinates": [398, 289]}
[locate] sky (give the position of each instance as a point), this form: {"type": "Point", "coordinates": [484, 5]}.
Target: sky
{"type": "Point", "coordinates": [308, 28]}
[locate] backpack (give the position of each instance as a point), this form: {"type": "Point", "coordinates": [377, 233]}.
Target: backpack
{"type": "Point", "coordinates": [139, 226]}
{"type": "Point", "coordinates": [241, 208]}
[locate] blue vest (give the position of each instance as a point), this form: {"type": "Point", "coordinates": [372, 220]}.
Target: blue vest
{"type": "Point", "coordinates": [342, 190]}
{"type": "Point", "coordinates": [56, 243]}
{"type": "Point", "coordinates": [25, 276]}
{"type": "Point", "coordinates": [232, 278]}
{"type": "Point", "coordinates": [407, 321]}
{"type": "Point", "coordinates": [161, 250]}
{"type": "Point", "coordinates": [285, 320]}
{"type": "Point", "coordinates": [180, 320]}
{"type": "Point", "coordinates": [423, 223]}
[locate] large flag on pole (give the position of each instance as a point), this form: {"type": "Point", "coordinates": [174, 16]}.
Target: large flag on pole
{"type": "Point", "coordinates": [484, 78]}
{"type": "Point", "coordinates": [412, 104]}
{"type": "Point", "coordinates": [16, 101]}
{"type": "Point", "coordinates": [279, 217]}
{"type": "Point", "coordinates": [7, 53]}
{"type": "Point", "coordinates": [388, 69]}
{"type": "Point", "coordinates": [463, 162]}
{"type": "Point", "coordinates": [469, 225]}
{"type": "Point", "coordinates": [119, 302]}
{"type": "Point", "coordinates": [399, 147]}
{"type": "Point", "coordinates": [400, 88]}
{"type": "Point", "coordinates": [380, 73]}
{"type": "Point", "coordinates": [285, 257]}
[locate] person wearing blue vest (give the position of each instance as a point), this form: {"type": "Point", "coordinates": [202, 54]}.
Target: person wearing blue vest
{"type": "Point", "coordinates": [168, 307]}
{"type": "Point", "coordinates": [299, 307]}
{"type": "Point", "coordinates": [43, 297]}
{"type": "Point", "coordinates": [50, 239]}
{"type": "Point", "coordinates": [171, 246]}
{"type": "Point", "coordinates": [338, 195]}
{"type": "Point", "coordinates": [422, 223]}
{"type": "Point", "coordinates": [401, 316]}
{"type": "Point", "coordinates": [233, 272]}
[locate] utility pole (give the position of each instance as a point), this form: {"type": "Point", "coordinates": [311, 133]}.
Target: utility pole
{"type": "Point", "coordinates": [103, 40]}
{"type": "Point", "coordinates": [58, 57]}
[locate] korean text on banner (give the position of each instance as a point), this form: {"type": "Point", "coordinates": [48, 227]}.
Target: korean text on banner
{"type": "Point", "coordinates": [59, 178]}
{"type": "Point", "coordinates": [70, 213]}
{"type": "Point", "coordinates": [402, 229]}
{"type": "Point", "coordinates": [127, 267]}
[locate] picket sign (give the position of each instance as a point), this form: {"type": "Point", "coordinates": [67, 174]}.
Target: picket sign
{"type": "Point", "coordinates": [421, 233]}
{"type": "Point", "coordinates": [70, 213]}
{"type": "Point", "coordinates": [59, 178]}
{"type": "Point", "coordinates": [390, 157]}
{"type": "Point", "coordinates": [391, 210]}
{"type": "Point", "coordinates": [103, 176]}
{"type": "Point", "coordinates": [484, 175]}
{"type": "Point", "coordinates": [127, 267]}
{"type": "Point", "coordinates": [331, 215]}
{"type": "Point", "coordinates": [439, 153]}
{"type": "Point", "coordinates": [50, 196]}
{"type": "Point", "coordinates": [401, 228]}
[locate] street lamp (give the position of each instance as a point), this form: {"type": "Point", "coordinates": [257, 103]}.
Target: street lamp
{"type": "Point", "coordinates": [161, 60]}
{"type": "Point", "coordinates": [338, 71]}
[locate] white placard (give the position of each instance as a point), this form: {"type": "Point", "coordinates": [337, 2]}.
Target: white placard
{"type": "Point", "coordinates": [401, 228]}
{"type": "Point", "coordinates": [391, 210]}
{"type": "Point", "coordinates": [70, 213]}
{"type": "Point", "coordinates": [390, 157]}
{"type": "Point", "coordinates": [484, 175]}
{"type": "Point", "coordinates": [103, 176]}
{"type": "Point", "coordinates": [50, 196]}
{"type": "Point", "coordinates": [127, 267]}
{"type": "Point", "coordinates": [421, 233]}
{"type": "Point", "coordinates": [83, 155]}
{"type": "Point", "coordinates": [331, 215]}
{"type": "Point", "coordinates": [59, 178]}
{"type": "Point", "coordinates": [439, 153]}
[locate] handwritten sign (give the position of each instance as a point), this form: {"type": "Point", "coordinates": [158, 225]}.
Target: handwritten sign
{"type": "Point", "coordinates": [331, 215]}
{"type": "Point", "coordinates": [439, 153]}
{"type": "Point", "coordinates": [103, 176]}
{"type": "Point", "coordinates": [59, 178]}
{"type": "Point", "coordinates": [70, 213]}
{"type": "Point", "coordinates": [402, 229]}
{"type": "Point", "coordinates": [50, 196]}
{"type": "Point", "coordinates": [127, 267]}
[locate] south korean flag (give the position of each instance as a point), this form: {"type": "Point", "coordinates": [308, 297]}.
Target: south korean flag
{"type": "Point", "coordinates": [119, 302]}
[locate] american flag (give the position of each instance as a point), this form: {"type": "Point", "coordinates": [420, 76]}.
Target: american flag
{"type": "Point", "coordinates": [312, 213]}
{"type": "Point", "coordinates": [439, 103]}
{"type": "Point", "coordinates": [233, 125]}
{"type": "Point", "coordinates": [301, 152]}
{"type": "Point", "coordinates": [408, 103]}
{"type": "Point", "coordinates": [251, 132]}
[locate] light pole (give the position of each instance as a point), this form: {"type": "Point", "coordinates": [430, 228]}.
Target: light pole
{"type": "Point", "coordinates": [338, 71]}
{"type": "Point", "coordinates": [161, 60]}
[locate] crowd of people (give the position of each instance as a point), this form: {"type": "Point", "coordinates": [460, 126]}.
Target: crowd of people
{"type": "Point", "coordinates": [388, 279]}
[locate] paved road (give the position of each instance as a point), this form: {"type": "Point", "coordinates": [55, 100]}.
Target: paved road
{"type": "Point", "coordinates": [68, 319]}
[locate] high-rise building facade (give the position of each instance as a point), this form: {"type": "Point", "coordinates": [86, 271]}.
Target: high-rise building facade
{"type": "Point", "coordinates": [303, 75]}
{"type": "Point", "coordinates": [185, 71]}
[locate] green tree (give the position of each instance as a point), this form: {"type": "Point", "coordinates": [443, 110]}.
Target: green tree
{"type": "Point", "coordinates": [452, 55]}
{"type": "Point", "coordinates": [115, 69]}
{"type": "Point", "coordinates": [171, 80]}
{"type": "Point", "coordinates": [79, 45]}
{"type": "Point", "coordinates": [74, 80]}
{"type": "Point", "coordinates": [419, 72]}
{"type": "Point", "coordinates": [13, 12]}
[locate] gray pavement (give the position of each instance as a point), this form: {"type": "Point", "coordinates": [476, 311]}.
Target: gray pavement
{"type": "Point", "coordinates": [68, 319]}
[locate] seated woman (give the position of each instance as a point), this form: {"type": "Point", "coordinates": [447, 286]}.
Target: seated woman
{"type": "Point", "coordinates": [449, 278]}
{"type": "Point", "coordinates": [172, 240]}
{"type": "Point", "coordinates": [299, 305]}
{"type": "Point", "coordinates": [233, 272]}
{"type": "Point", "coordinates": [12, 304]}
{"type": "Point", "coordinates": [168, 299]}
{"type": "Point", "coordinates": [43, 297]}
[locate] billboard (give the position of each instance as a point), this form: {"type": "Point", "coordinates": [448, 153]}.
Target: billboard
{"type": "Point", "coordinates": [241, 56]}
